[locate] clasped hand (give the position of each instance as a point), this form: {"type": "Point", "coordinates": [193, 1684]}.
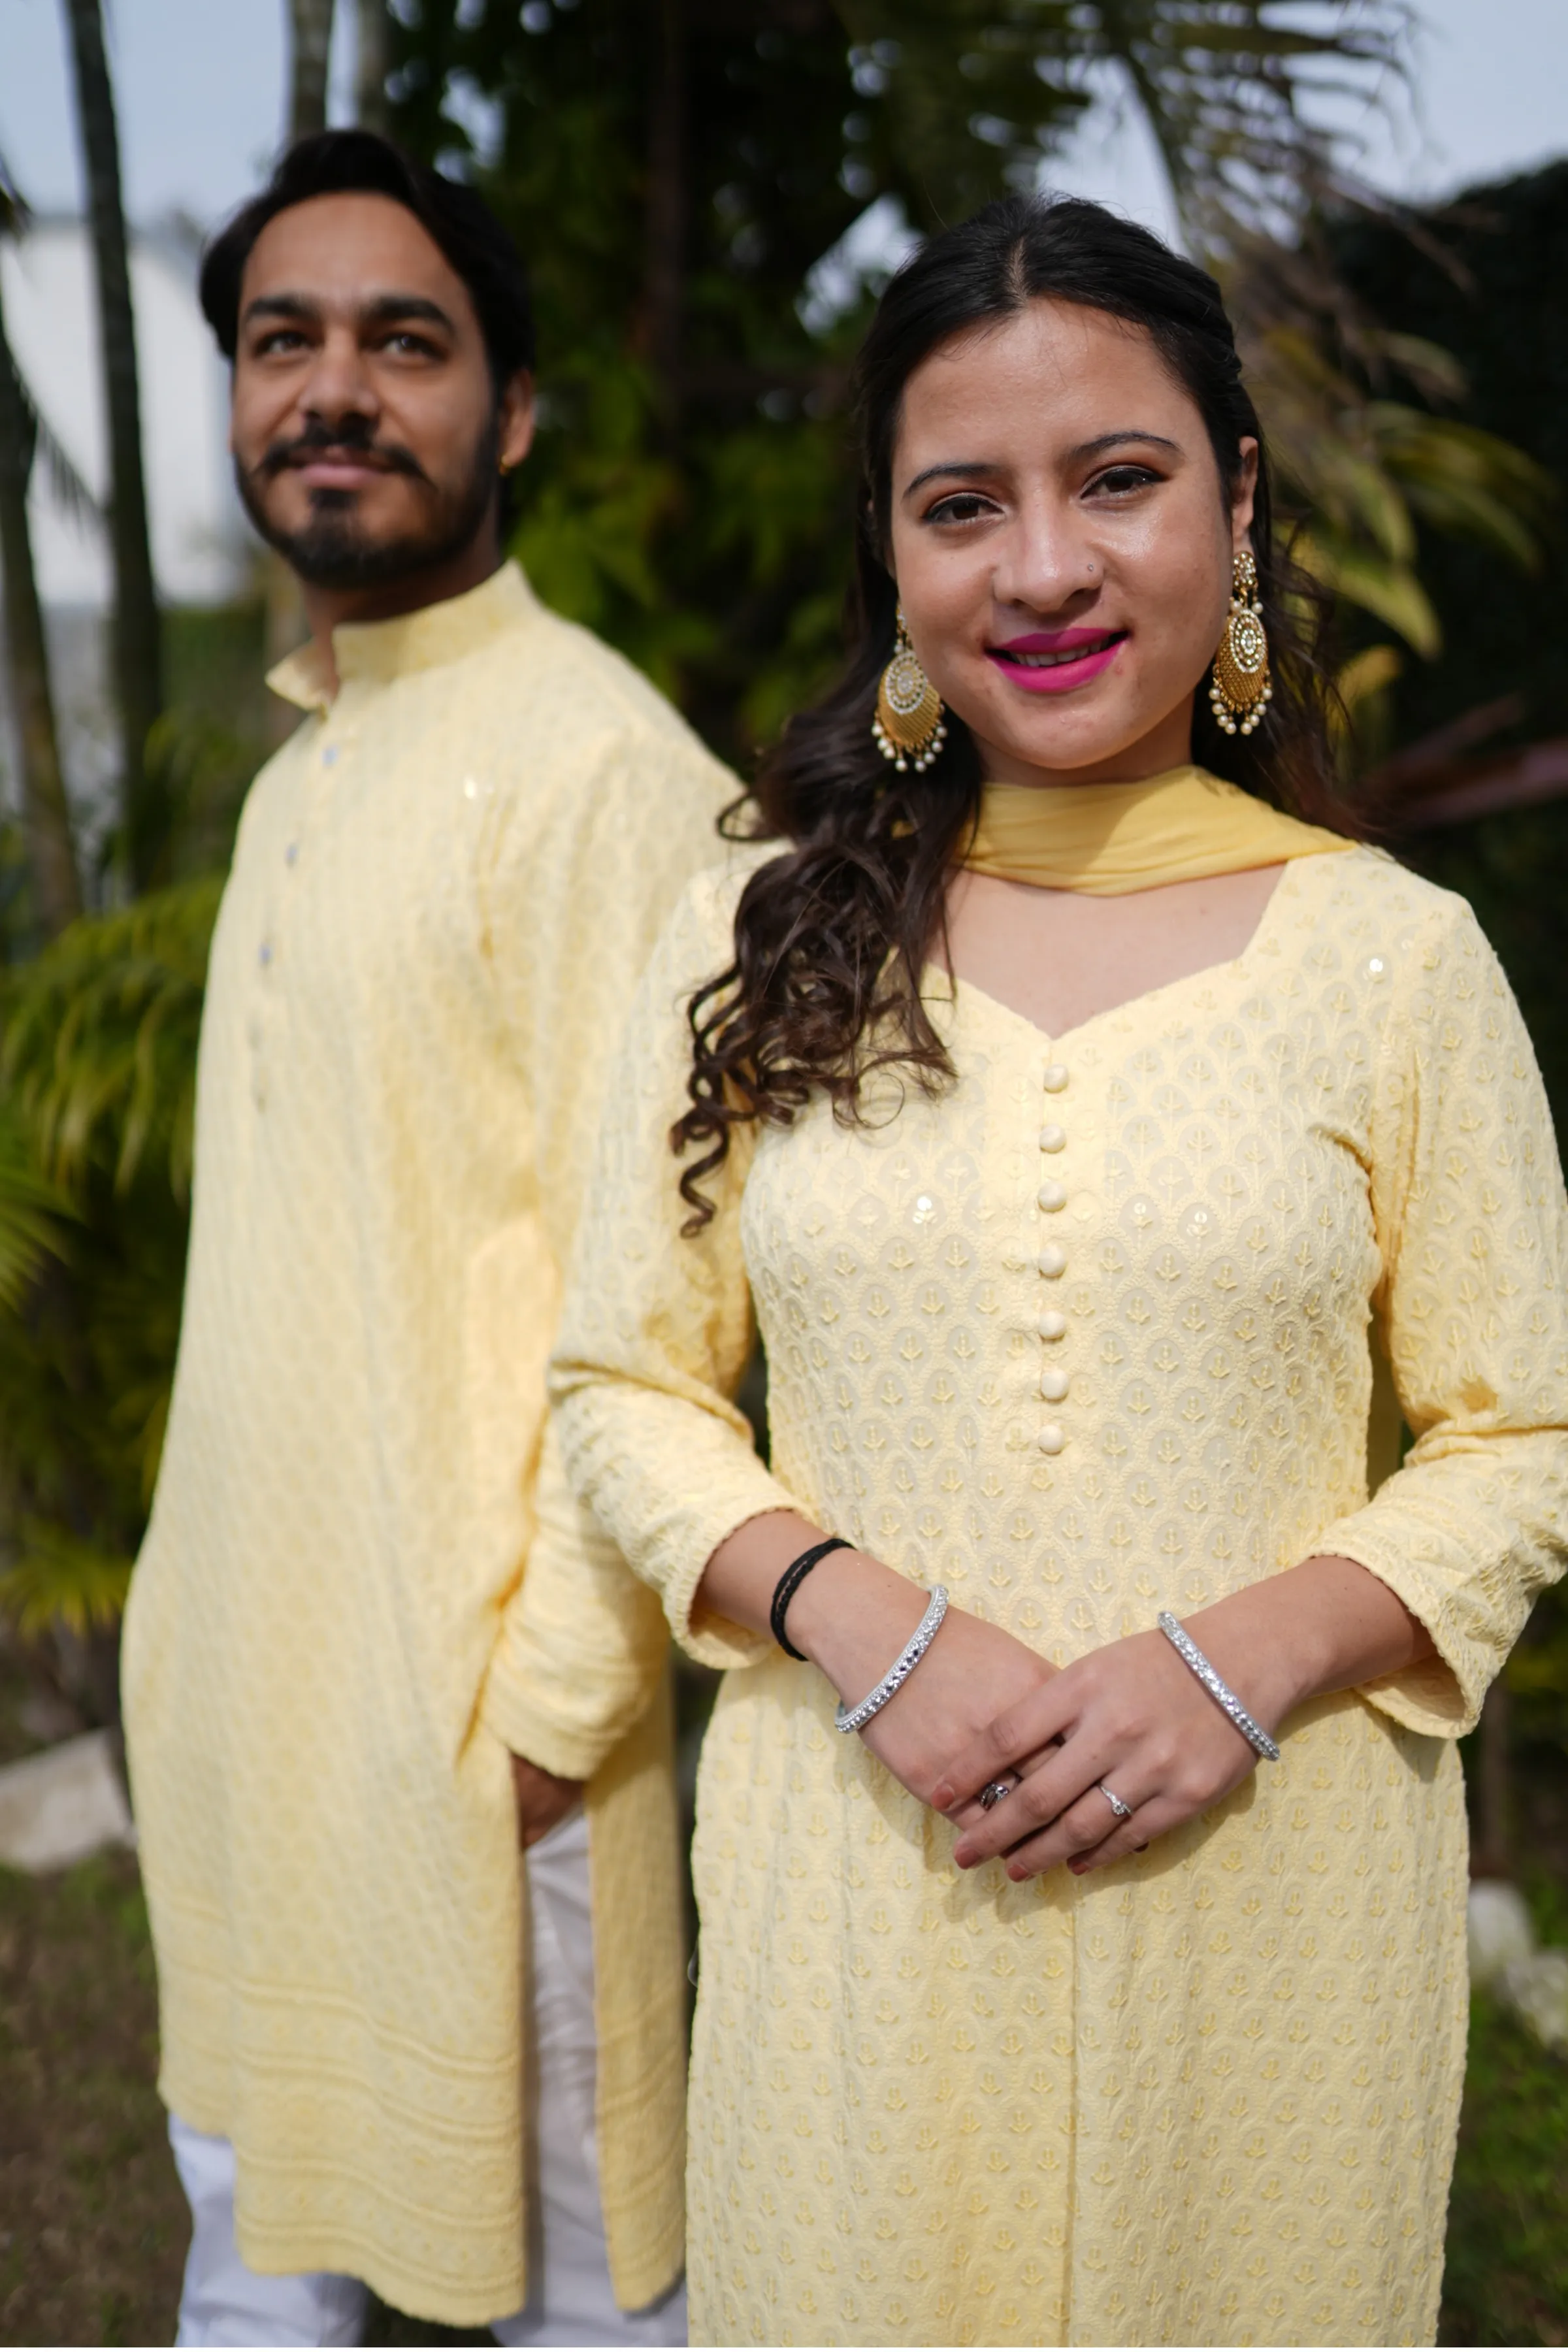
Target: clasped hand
{"type": "Point", "coordinates": [982, 1707]}
{"type": "Point", "coordinates": [1131, 1716]}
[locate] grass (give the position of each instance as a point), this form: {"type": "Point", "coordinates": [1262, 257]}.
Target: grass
{"type": "Point", "coordinates": [92, 2225]}
{"type": "Point", "coordinates": [1506, 2281]}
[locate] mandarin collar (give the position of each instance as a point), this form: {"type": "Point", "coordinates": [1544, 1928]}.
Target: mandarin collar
{"type": "Point", "coordinates": [376, 651]}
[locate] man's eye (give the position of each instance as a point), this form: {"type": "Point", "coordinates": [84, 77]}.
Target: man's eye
{"type": "Point", "coordinates": [963, 506]}
{"type": "Point", "coordinates": [407, 344]}
{"type": "Point", "coordinates": [281, 339]}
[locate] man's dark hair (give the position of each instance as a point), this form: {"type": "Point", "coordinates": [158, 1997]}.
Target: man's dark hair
{"type": "Point", "coordinates": [361, 162]}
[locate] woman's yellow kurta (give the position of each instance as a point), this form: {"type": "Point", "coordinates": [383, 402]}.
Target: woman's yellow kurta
{"type": "Point", "coordinates": [1208, 2096]}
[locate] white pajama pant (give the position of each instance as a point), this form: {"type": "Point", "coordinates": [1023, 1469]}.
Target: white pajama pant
{"type": "Point", "coordinates": [571, 2301]}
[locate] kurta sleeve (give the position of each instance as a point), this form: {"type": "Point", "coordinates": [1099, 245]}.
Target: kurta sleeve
{"type": "Point", "coordinates": [583, 1645]}
{"type": "Point", "coordinates": [572, 910]}
{"type": "Point", "coordinates": [657, 1326]}
{"type": "Point", "coordinates": [1468, 1210]}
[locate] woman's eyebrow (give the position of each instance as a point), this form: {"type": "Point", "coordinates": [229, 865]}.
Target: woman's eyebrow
{"type": "Point", "coordinates": [972, 469]}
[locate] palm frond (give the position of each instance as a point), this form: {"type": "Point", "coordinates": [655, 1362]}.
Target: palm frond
{"type": "Point", "coordinates": [61, 1579]}
{"type": "Point", "coordinates": [101, 1035]}
{"type": "Point", "coordinates": [32, 1214]}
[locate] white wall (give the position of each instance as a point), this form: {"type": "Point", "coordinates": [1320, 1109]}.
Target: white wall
{"type": "Point", "coordinates": [198, 539]}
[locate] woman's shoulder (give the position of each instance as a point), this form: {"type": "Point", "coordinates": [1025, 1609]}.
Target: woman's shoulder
{"type": "Point", "coordinates": [699, 938]}
{"type": "Point", "coordinates": [1363, 898]}
{"type": "Point", "coordinates": [705, 911]}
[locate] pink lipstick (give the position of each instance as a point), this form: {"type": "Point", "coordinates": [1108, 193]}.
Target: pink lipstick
{"type": "Point", "coordinates": [1053, 661]}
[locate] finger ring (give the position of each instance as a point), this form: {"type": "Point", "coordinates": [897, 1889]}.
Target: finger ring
{"type": "Point", "coordinates": [1124, 1812]}
{"type": "Point", "coordinates": [993, 1793]}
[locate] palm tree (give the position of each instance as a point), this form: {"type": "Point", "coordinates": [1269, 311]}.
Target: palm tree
{"type": "Point", "coordinates": [373, 46]}
{"type": "Point", "coordinates": [138, 634]}
{"type": "Point", "coordinates": [311, 49]}
{"type": "Point", "coordinates": [56, 886]}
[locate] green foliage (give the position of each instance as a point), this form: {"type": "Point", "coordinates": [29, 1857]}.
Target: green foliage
{"type": "Point", "coordinates": [1506, 2278]}
{"type": "Point", "coordinates": [98, 1070]}
{"type": "Point", "coordinates": [676, 191]}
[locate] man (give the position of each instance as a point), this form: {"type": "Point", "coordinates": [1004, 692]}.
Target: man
{"type": "Point", "coordinates": [444, 888]}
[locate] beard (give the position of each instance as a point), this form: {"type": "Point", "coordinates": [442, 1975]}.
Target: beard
{"type": "Point", "coordinates": [334, 549]}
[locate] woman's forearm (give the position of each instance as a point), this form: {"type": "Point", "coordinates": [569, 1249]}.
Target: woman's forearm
{"type": "Point", "coordinates": [1325, 1625]}
{"type": "Point", "coordinates": [851, 1616]}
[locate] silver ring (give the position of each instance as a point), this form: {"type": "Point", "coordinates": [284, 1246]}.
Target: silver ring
{"type": "Point", "coordinates": [993, 1793]}
{"type": "Point", "coordinates": [1124, 1812]}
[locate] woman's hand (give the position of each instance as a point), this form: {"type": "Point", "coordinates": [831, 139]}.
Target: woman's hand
{"type": "Point", "coordinates": [971, 1673]}
{"type": "Point", "coordinates": [1133, 1718]}
{"type": "Point", "coordinates": [852, 1617]}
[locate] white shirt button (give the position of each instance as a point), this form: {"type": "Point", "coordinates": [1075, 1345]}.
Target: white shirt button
{"type": "Point", "coordinates": [1051, 1438]}
{"type": "Point", "coordinates": [330, 756]}
{"type": "Point", "coordinates": [1053, 1385]}
{"type": "Point", "coordinates": [1053, 1137]}
{"type": "Point", "coordinates": [1055, 1079]}
{"type": "Point", "coordinates": [1053, 1325]}
{"type": "Point", "coordinates": [1051, 1196]}
{"type": "Point", "coordinates": [1052, 1261]}
{"type": "Point", "coordinates": [291, 852]}
{"type": "Point", "coordinates": [264, 954]}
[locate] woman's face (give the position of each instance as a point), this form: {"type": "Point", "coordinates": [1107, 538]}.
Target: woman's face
{"type": "Point", "coordinates": [1062, 544]}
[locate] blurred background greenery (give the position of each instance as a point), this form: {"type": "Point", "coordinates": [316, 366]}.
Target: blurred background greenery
{"type": "Point", "coordinates": [711, 193]}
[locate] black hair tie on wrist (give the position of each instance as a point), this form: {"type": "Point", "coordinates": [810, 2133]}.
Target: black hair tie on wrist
{"type": "Point", "coordinates": [789, 1585]}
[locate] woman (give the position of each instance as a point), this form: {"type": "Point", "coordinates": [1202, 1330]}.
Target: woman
{"type": "Point", "coordinates": [1073, 1125]}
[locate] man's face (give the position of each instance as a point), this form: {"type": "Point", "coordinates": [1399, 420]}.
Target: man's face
{"type": "Point", "coordinates": [366, 431]}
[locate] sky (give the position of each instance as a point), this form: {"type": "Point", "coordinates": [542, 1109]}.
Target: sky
{"type": "Point", "coordinates": [200, 90]}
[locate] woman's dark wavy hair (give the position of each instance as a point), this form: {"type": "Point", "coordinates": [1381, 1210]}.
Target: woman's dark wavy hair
{"type": "Point", "coordinates": [832, 935]}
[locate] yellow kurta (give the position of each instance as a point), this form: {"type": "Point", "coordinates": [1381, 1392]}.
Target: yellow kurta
{"type": "Point", "coordinates": [1207, 2095]}
{"type": "Point", "coordinates": [445, 887]}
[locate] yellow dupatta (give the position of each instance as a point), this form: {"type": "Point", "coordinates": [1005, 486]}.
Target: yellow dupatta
{"type": "Point", "coordinates": [1108, 840]}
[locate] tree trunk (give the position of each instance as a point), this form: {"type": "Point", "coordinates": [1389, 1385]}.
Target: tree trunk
{"type": "Point", "coordinates": [138, 634]}
{"type": "Point", "coordinates": [1494, 1808]}
{"type": "Point", "coordinates": [372, 63]}
{"type": "Point", "coordinates": [664, 272]}
{"type": "Point", "coordinates": [56, 887]}
{"type": "Point", "coordinates": [310, 44]}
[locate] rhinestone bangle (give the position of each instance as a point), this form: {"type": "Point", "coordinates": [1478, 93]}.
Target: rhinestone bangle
{"type": "Point", "coordinates": [853, 1719]}
{"type": "Point", "coordinates": [1218, 1689]}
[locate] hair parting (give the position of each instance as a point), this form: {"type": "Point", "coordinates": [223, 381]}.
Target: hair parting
{"type": "Point", "coordinates": [834, 936]}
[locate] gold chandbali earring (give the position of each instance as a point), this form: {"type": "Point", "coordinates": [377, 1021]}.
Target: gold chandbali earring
{"type": "Point", "coordinates": [1240, 689]}
{"type": "Point", "coordinates": [909, 726]}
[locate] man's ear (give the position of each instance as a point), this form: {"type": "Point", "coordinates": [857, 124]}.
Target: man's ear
{"type": "Point", "coordinates": [516, 420]}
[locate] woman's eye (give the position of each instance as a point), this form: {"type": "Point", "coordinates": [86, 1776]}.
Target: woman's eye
{"type": "Point", "coordinates": [1118, 480]}
{"type": "Point", "coordinates": [963, 506]}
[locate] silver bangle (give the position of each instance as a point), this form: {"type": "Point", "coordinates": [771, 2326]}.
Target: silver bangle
{"type": "Point", "coordinates": [1218, 1689]}
{"type": "Point", "coordinates": [852, 1718]}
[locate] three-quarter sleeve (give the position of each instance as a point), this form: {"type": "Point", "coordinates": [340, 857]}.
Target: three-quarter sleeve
{"type": "Point", "coordinates": [583, 1646]}
{"type": "Point", "coordinates": [658, 1325]}
{"type": "Point", "coordinates": [1469, 1214]}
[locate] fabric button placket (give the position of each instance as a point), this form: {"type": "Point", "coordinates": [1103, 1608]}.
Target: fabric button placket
{"type": "Point", "coordinates": [1051, 1197]}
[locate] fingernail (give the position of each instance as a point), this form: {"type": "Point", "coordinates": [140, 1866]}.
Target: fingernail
{"type": "Point", "coordinates": [1079, 1868]}
{"type": "Point", "coordinates": [942, 1796]}
{"type": "Point", "coordinates": [1017, 1873]}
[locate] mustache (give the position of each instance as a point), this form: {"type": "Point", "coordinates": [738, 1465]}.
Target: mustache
{"type": "Point", "coordinates": [350, 436]}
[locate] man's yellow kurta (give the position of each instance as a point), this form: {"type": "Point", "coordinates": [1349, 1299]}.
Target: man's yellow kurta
{"type": "Point", "coordinates": [1085, 1336]}
{"type": "Point", "coordinates": [444, 888]}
